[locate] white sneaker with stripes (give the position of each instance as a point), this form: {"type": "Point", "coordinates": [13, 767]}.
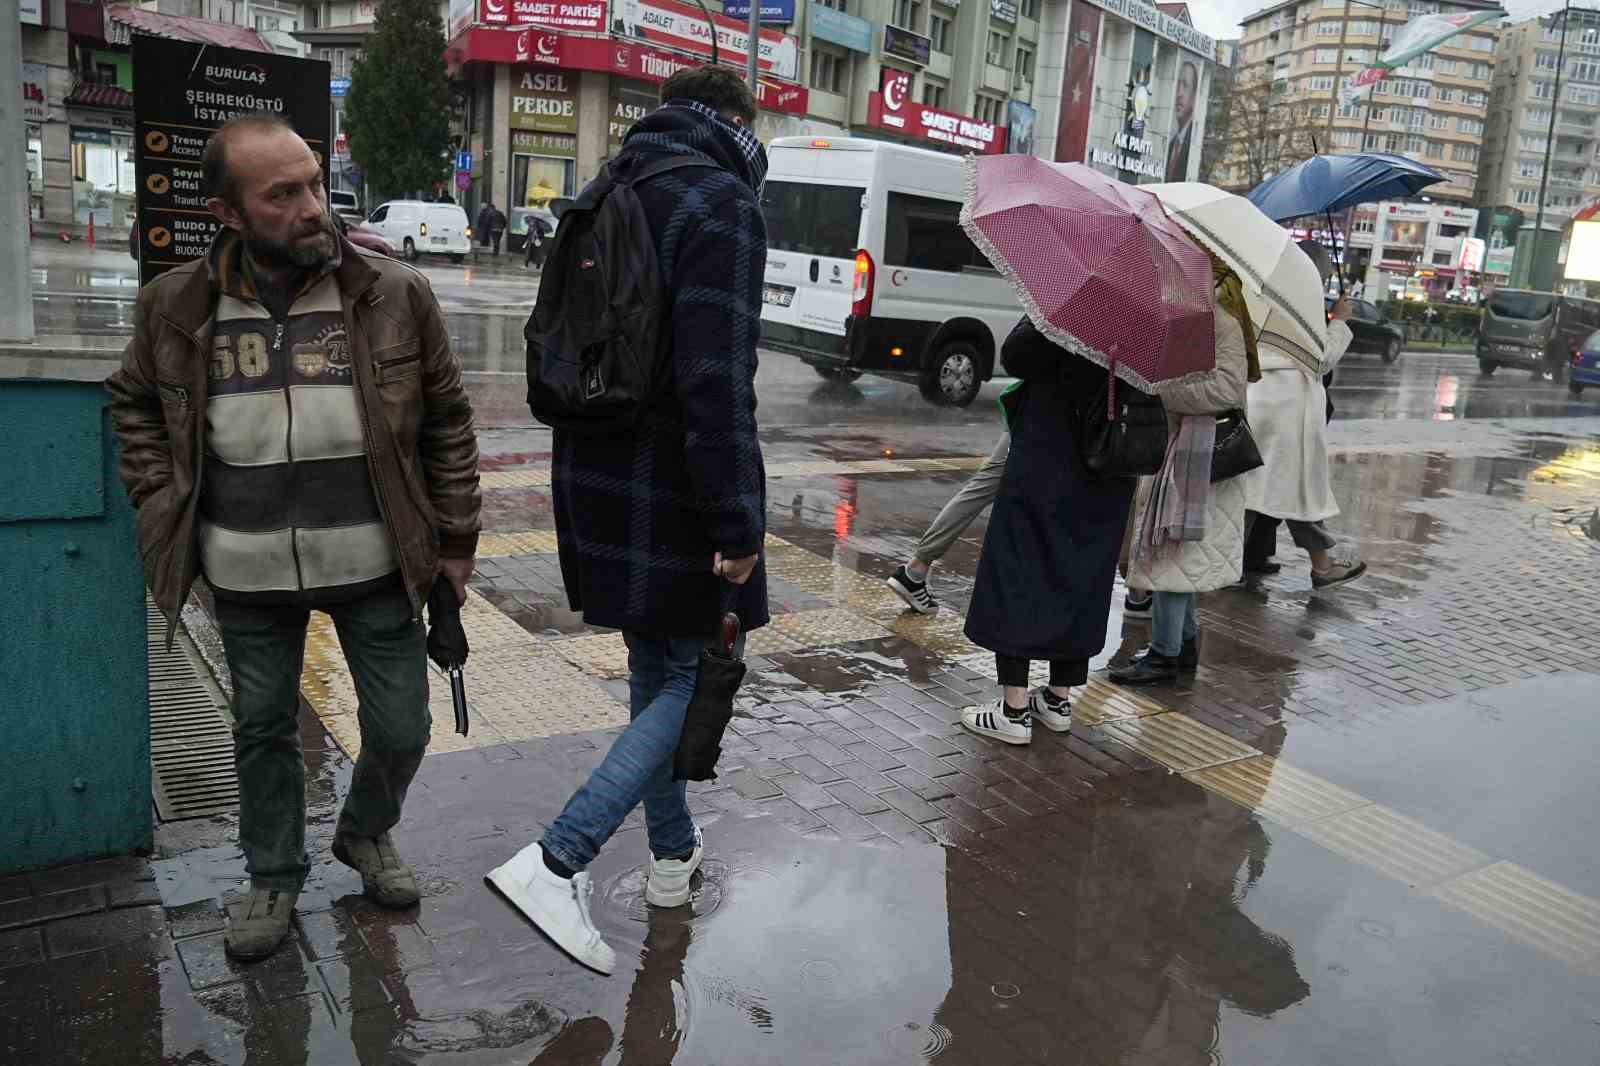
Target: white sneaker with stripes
{"type": "Point", "coordinates": [1052, 711]}
{"type": "Point", "coordinates": [992, 720]}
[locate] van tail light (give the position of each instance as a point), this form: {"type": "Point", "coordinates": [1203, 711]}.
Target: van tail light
{"type": "Point", "coordinates": [1577, 358]}
{"type": "Point", "coordinates": [423, 229]}
{"type": "Point", "coordinates": [469, 232]}
{"type": "Point", "coordinates": [861, 287]}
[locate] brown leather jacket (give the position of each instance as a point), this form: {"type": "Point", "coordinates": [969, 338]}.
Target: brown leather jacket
{"type": "Point", "coordinates": [421, 445]}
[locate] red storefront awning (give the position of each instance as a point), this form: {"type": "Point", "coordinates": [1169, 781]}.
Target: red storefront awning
{"type": "Point", "coordinates": [104, 97]}
{"type": "Point", "coordinates": [623, 56]}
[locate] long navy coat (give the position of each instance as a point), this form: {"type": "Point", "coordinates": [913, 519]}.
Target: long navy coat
{"type": "Point", "coordinates": [1049, 560]}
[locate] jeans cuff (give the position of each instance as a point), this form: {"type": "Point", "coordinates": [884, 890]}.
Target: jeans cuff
{"type": "Point", "coordinates": [562, 855]}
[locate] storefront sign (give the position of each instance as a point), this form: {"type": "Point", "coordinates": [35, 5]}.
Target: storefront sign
{"type": "Point", "coordinates": [630, 102]}
{"type": "Point", "coordinates": [1077, 95]}
{"type": "Point", "coordinates": [338, 86]}
{"type": "Point", "coordinates": [1161, 24]}
{"type": "Point", "coordinates": [836, 27]}
{"type": "Point", "coordinates": [563, 145]}
{"type": "Point", "coordinates": [606, 54]}
{"type": "Point", "coordinates": [682, 26]}
{"type": "Point", "coordinates": [544, 100]}
{"type": "Point", "coordinates": [906, 45]}
{"type": "Point", "coordinates": [1003, 11]}
{"type": "Point", "coordinates": [35, 95]}
{"type": "Point", "coordinates": [1131, 157]}
{"type": "Point", "coordinates": [893, 110]}
{"type": "Point", "coordinates": [586, 15]}
{"type": "Point", "coordinates": [182, 90]}
{"type": "Point", "coordinates": [777, 12]}
{"type": "Point", "coordinates": [32, 12]}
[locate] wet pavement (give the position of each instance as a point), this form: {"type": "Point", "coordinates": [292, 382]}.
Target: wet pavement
{"type": "Point", "coordinates": [1363, 831]}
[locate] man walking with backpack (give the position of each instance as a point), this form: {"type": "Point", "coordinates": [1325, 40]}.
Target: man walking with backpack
{"type": "Point", "coordinates": [660, 492]}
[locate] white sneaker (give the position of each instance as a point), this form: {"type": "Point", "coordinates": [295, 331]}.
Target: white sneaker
{"type": "Point", "coordinates": [991, 720]}
{"type": "Point", "coordinates": [668, 883]}
{"type": "Point", "coordinates": [559, 907]}
{"type": "Point", "coordinates": [1055, 715]}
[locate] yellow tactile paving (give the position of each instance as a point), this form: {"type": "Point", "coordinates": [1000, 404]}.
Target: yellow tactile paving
{"type": "Point", "coordinates": [530, 477]}
{"type": "Point", "coordinates": [1276, 790]}
{"type": "Point", "coordinates": [527, 542]}
{"type": "Point", "coordinates": [1540, 913]}
{"type": "Point", "coordinates": [597, 654]}
{"type": "Point", "coordinates": [538, 476]}
{"type": "Point", "coordinates": [1392, 844]}
{"type": "Point", "coordinates": [1100, 701]}
{"type": "Point", "coordinates": [825, 627]}
{"type": "Point", "coordinates": [1177, 742]}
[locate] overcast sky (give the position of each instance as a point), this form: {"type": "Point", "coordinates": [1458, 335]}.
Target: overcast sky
{"type": "Point", "coordinates": [1220, 18]}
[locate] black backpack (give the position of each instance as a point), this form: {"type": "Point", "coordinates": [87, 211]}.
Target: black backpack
{"type": "Point", "coordinates": [598, 345]}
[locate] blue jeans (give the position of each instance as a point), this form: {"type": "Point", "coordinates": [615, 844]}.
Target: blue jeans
{"type": "Point", "coordinates": [1171, 622]}
{"type": "Point", "coordinates": [639, 765]}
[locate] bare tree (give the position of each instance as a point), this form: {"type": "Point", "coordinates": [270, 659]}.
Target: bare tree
{"type": "Point", "coordinates": [1264, 130]}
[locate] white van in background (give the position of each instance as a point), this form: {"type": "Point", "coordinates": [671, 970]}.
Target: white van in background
{"type": "Point", "coordinates": [414, 227]}
{"type": "Point", "coordinates": [869, 271]}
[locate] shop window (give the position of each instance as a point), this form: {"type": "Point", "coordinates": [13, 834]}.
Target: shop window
{"type": "Point", "coordinates": [925, 234]}
{"type": "Point", "coordinates": [538, 179]}
{"type": "Point", "coordinates": [999, 47]}
{"type": "Point", "coordinates": [820, 220]}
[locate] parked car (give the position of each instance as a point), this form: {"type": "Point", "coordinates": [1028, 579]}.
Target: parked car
{"type": "Point", "coordinates": [416, 227]}
{"type": "Point", "coordinates": [346, 205]}
{"type": "Point", "coordinates": [363, 236]}
{"type": "Point", "coordinates": [1538, 331]}
{"type": "Point", "coordinates": [1468, 294]}
{"type": "Point", "coordinates": [1585, 369]}
{"type": "Point", "coordinates": [1371, 334]}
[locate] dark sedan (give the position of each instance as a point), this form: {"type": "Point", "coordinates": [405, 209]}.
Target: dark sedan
{"type": "Point", "coordinates": [1371, 334]}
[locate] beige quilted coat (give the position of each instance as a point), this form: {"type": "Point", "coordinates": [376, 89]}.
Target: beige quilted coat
{"type": "Point", "coordinates": [1217, 561]}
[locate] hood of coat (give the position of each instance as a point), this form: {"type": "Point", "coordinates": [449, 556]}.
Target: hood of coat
{"type": "Point", "coordinates": [689, 127]}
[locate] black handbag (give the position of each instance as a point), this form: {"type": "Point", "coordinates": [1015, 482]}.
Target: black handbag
{"type": "Point", "coordinates": [1122, 433]}
{"type": "Point", "coordinates": [1235, 452]}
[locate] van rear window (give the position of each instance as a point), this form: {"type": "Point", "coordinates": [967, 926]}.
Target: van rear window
{"type": "Point", "coordinates": [1523, 306]}
{"type": "Point", "coordinates": [820, 220]}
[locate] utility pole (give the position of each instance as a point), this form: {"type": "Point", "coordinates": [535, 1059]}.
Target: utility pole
{"type": "Point", "coordinates": [16, 280]}
{"type": "Point", "coordinates": [1549, 145]}
{"type": "Point", "coordinates": [755, 47]}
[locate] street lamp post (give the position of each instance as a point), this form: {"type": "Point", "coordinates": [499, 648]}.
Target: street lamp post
{"type": "Point", "coordinates": [1549, 144]}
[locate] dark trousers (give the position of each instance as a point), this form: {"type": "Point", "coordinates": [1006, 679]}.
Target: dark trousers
{"type": "Point", "coordinates": [1063, 672]}
{"type": "Point", "coordinates": [495, 237]}
{"type": "Point", "coordinates": [1261, 536]}
{"type": "Point", "coordinates": [265, 646]}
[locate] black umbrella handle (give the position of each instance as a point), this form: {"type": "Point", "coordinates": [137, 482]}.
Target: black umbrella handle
{"type": "Point", "coordinates": [728, 624]}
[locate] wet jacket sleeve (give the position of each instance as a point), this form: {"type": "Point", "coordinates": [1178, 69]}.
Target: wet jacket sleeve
{"type": "Point", "coordinates": [1219, 390]}
{"type": "Point", "coordinates": [1339, 338]}
{"type": "Point", "coordinates": [136, 415]}
{"type": "Point", "coordinates": [447, 441]}
{"type": "Point", "coordinates": [716, 322]}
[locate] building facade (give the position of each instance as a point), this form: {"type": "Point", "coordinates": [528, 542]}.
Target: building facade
{"type": "Point", "coordinates": [1403, 240]}
{"type": "Point", "coordinates": [1522, 106]}
{"type": "Point", "coordinates": [1293, 58]}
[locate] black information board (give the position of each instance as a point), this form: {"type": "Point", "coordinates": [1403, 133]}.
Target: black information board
{"type": "Point", "coordinates": [182, 91]}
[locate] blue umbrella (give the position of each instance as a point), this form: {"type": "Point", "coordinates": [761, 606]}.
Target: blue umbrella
{"type": "Point", "coordinates": [1327, 183]}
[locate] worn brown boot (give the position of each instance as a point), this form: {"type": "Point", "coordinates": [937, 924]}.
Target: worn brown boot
{"type": "Point", "coordinates": [385, 879]}
{"type": "Point", "coordinates": [258, 925]}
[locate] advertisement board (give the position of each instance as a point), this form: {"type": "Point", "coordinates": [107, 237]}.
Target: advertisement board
{"type": "Point", "coordinates": [904, 44]}
{"type": "Point", "coordinates": [182, 91]}
{"type": "Point", "coordinates": [544, 100]}
{"type": "Point", "coordinates": [776, 12]}
{"type": "Point", "coordinates": [893, 110]}
{"type": "Point", "coordinates": [588, 16]}
{"type": "Point", "coordinates": [683, 26]}
{"type": "Point", "coordinates": [630, 102]}
{"type": "Point", "coordinates": [1003, 11]}
{"type": "Point", "coordinates": [836, 27]}
{"type": "Point", "coordinates": [1019, 128]}
{"type": "Point", "coordinates": [1583, 252]}
{"type": "Point", "coordinates": [1181, 145]}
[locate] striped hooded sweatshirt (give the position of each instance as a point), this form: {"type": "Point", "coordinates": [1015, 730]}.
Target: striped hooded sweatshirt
{"type": "Point", "coordinates": [287, 511]}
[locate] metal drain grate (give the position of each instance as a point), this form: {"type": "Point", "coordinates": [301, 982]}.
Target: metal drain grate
{"type": "Point", "coordinates": [191, 746]}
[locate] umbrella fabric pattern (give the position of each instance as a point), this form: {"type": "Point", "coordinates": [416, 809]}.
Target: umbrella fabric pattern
{"type": "Point", "coordinates": [1100, 267]}
{"type": "Point", "coordinates": [1327, 183]}
{"type": "Point", "coordinates": [1282, 287]}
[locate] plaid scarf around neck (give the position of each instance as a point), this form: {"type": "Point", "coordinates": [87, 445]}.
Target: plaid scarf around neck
{"type": "Point", "coordinates": [750, 146]}
{"type": "Point", "coordinates": [1180, 492]}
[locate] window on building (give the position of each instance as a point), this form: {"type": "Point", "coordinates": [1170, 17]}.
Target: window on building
{"type": "Point", "coordinates": [1438, 122]}
{"type": "Point", "coordinates": [1482, 44]}
{"type": "Point", "coordinates": [936, 93]}
{"type": "Point", "coordinates": [1526, 169]}
{"type": "Point", "coordinates": [1024, 67]}
{"type": "Point", "coordinates": [830, 70]}
{"type": "Point", "coordinates": [1422, 62]}
{"type": "Point", "coordinates": [1029, 9]}
{"type": "Point", "coordinates": [1320, 84]}
{"type": "Point", "coordinates": [1346, 138]}
{"type": "Point", "coordinates": [999, 47]}
{"type": "Point", "coordinates": [1358, 56]}
{"type": "Point", "coordinates": [1333, 3]}
{"type": "Point", "coordinates": [1528, 142]}
{"type": "Point", "coordinates": [1464, 153]}
{"type": "Point", "coordinates": [1331, 28]}
{"type": "Point", "coordinates": [1472, 126]}
{"type": "Point", "coordinates": [1521, 196]}
{"type": "Point", "coordinates": [1544, 61]}
{"type": "Point", "coordinates": [1536, 118]}
{"type": "Point", "coordinates": [908, 14]}
{"type": "Point", "coordinates": [1475, 99]}
{"type": "Point", "coordinates": [1350, 110]}
{"type": "Point", "coordinates": [921, 233]}
{"type": "Point", "coordinates": [1583, 94]}
{"type": "Point", "coordinates": [1477, 71]}
{"type": "Point", "coordinates": [941, 29]}
{"type": "Point", "coordinates": [1446, 67]}
{"type": "Point", "coordinates": [837, 5]}
{"type": "Point", "coordinates": [1435, 149]}
{"type": "Point", "coordinates": [1326, 55]}
{"type": "Point", "coordinates": [1542, 90]}
{"type": "Point", "coordinates": [991, 109]}
{"type": "Point", "coordinates": [1363, 28]}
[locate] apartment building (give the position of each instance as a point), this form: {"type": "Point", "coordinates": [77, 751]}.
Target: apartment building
{"type": "Point", "coordinates": [1293, 57]}
{"type": "Point", "coordinates": [1520, 112]}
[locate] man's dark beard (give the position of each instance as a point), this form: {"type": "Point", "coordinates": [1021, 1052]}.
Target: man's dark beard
{"type": "Point", "coordinates": [284, 255]}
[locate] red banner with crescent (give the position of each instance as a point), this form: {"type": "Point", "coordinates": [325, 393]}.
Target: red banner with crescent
{"type": "Point", "coordinates": [1077, 94]}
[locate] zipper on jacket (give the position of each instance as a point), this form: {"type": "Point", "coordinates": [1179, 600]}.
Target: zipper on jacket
{"type": "Point", "coordinates": [372, 456]}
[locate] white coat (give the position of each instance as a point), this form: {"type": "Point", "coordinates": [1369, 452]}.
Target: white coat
{"type": "Point", "coordinates": [1218, 560]}
{"type": "Point", "coordinates": [1288, 418]}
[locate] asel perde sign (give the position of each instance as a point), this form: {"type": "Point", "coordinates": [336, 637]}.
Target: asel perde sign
{"type": "Point", "coordinates": [182, 91]}
{"type": "Point", "coordinates": [893, 110]}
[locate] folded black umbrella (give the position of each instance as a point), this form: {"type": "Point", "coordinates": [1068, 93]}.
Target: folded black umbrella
{"type": "Point", "coordinates": [710, 709]}
{"type": "Point", "coordinates": [447, 643]}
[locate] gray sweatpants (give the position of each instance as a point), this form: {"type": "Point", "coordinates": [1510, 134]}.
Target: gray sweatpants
{"type": "Point", "coordinates": [979, 492]}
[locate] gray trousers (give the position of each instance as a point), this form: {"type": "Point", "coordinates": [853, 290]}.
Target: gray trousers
{"type": "Point", "coordinates": [979, 492]}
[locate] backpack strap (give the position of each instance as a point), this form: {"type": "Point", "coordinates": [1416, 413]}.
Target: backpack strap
{"type": "Point", "coordinates": [662, 166]}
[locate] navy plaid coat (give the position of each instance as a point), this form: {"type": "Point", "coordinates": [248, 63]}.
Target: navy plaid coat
{"type": "Point", "coordinates": [639, 517]}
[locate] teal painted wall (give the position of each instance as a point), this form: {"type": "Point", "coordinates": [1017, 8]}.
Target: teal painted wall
{"type": "Point", "coordinates": [75, 758]}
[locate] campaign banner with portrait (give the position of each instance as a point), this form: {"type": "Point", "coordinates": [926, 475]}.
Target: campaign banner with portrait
{"type": "Point", "coordinates": [1183, 145]}
{"type": "Point", "coordinates": [181, 92]}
